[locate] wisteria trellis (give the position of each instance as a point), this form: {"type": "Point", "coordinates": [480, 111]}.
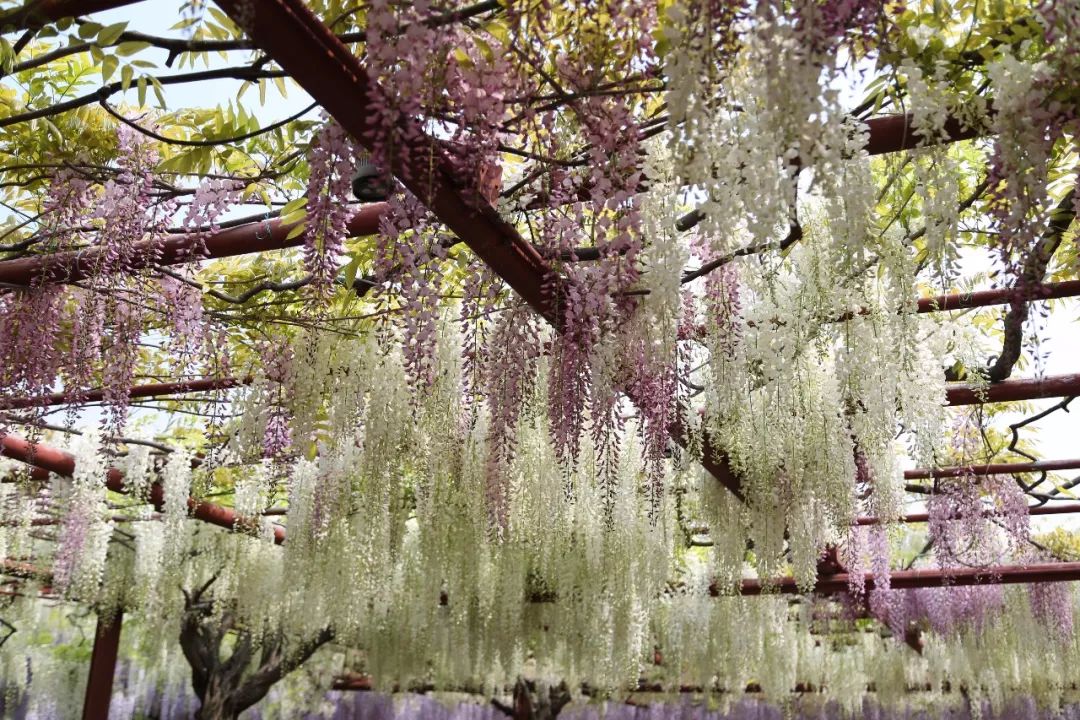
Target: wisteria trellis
{"type": "Point", "coordinates": [478, 489]}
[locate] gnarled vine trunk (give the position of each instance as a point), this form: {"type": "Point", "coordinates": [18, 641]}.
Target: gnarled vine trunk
{"type": "Point", "coordinates": [228, 686]}
{"type": "Point", "coordinates": [531, 702]}
{"type": "Point", "coordinates": [216, 705]}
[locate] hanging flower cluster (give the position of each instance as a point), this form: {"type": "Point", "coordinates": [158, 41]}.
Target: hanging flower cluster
{"type": "Point", "coordinates": [405, 71]}
{"type": "Point", "coordinates": [394, 514]}
{"type": "Point", "coordinates": [184, 311]}
{"type": "Point", "coordinates": [409, 246]}
{"type": "Point", "coordinates": [83, 542]}
{"type": "Point", "coordinates": [212, 198]}
{"type": "Point", "coordinates": [331, 160]}
{"type": "Point", "coordinates": [29, 366]}
{"type": "Point", "coordinates": [965, 530]}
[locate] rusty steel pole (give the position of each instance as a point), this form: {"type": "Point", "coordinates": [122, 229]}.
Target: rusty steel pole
{"type": "Point", "coordinates": [935, 577]}
{"type": "Point", "coordinates": [180, 387]}
{"type": "Point", "coordinates": [993, 469]}
{"type": "Point", "coordinates": [1014, 390]}
{"type": "Point", "coordinates": [1060, 509]}
{"type": "Point", "coordinates": [39, 13]}
{"type": "Point", "coordinates": [99, 682]}
{"type": "Point", "coordinates": [1002, 296]}
{"type": "Point", "coordinates": [75, 265]}
{"type": "Point", "coordinates": [50, 459]}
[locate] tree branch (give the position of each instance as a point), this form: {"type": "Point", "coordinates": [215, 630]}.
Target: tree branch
{"type": "Point", "coordinates": [203, 143]}
{"type": "Point", "coordinates": [255, 686]}
{"type": "Point", "coordinates": [1027, 286]}
{"type": "Point", "coordinates": [253, 72]}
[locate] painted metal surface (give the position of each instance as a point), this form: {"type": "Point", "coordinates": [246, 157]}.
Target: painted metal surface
{"type": "Point", "coordinates": [181, 387]}
{"type": "Point", "coordinates": [38, 13]}
{"type": "Point", "coordinates": [1059, 509]}
{"type": "Point", "coordinates": [1015, 390]}
{"type": "Point", "coordinates": [174, 250]}
{"type": "Point", "coordinates": [48, 458]}
{"type": "Point", "coordinates": [99, 681]}
{"type": "Point", "coordinates": [993, 469]}
{"type": "Point", "coordinates": [935, 577]}
{"type": "Point", "coordinates": [316, 59]}
{"type": "Point", "coordinates": [1003, 296]}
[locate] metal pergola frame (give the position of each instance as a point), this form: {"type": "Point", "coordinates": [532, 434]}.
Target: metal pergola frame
{"type": "Point", "coordinates": [315, 58]}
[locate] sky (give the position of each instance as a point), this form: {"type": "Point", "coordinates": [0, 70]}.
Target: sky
{"type": "Point", "coordinates": [156, 18]}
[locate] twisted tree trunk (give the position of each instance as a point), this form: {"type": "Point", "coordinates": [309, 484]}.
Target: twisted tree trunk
{"type": "Point", "coordinates": [531, 702]}
{"type": "Point", "coordinates": [216, 706]}
{"type": "Point", "coordinates": [228, 686]}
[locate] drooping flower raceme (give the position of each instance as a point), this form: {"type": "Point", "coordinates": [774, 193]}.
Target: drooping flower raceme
{"type": "Point", "coordinates": [331, 160]}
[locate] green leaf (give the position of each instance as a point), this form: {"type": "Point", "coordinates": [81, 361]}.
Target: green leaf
{"type": "Point", "coordinates": [462, 57]}
{"type": "Point", "coordinates": [108, 67]}
{"type": "Point", "coordinates": [112, 33]}
{"type": "Point", "coordinates": [293, 205]}
{"type": "Point", "coordinates": [222, 19]}
{"type": "Point", "coordinates": [53, 130]}
{"type": "Point", "coordinates": [485, 48]}
{"type": "Point", "coordinates": [185, 23]}
{"type": "Point", "coordinates": [294, 217]}
{"type": "Point", "coordinates": [499, 31]}
{"type": "Point", "coordinates": [131, 47]}
{"type": "Point", "coordinates": [89, 29]}
{"type": "Point", "coordinates": [126, 75]}
{"type": "Point", "coordinates": [142, 90]}
{"type": "Point", "coordinates": [7, 55]}
{"type": "Point", "coordinates": [179, 163]}
{"type": "Point", "coordinates": [158, 91]}
{"type": "Point", "coordinates": [296, 230]}
{"type": "Point", "coordinates": [1065, 491]}
{"type": "Point", "coordinates": [204, 159]}
{"type": "Point", "coordinates": [350, 271]}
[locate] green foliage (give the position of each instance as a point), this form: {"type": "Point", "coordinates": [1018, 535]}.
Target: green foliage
{"type": "Point", "coordinates": [1062, 544]}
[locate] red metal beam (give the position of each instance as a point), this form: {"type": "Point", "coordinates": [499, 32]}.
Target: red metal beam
{"type": "Point", "coordinates": [24, 570]}
{"type": "Point", "coordinates": [37, 14]}
{"type": "Point", "coordinates": [57, 461]}
{"type": "Point", "coordinates": [363, 683]}
{"type": "Point", "coordinates": [175, 250]}
{"type": "Point", "coordinates": [1058, 509]}
{"type": "Point", "coordinates": [959, 394]}
{"type": "Point", "coordinates": [715, 461]}
{"type": "Point", "coordinates": [986, 298]}
{"type": "Point", "coordinates": [99, 682]}
{"type": "Point", "coordinates": [993, 469]}
{"type": "Point", "coordinates": [1003, 296]}
{"type": "Point", "coordinates": [138, 391]}
{"type": "Point", "coordinates": [1015, 390]}
{"type": "Point", "coordinates": [316, 59]}
{"type": "Point", "coordinates": [893, 133]}
{"type": "Point", "coordinates": [885, 134]}
{"type": "Point", "coordinates": [905, 579]}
